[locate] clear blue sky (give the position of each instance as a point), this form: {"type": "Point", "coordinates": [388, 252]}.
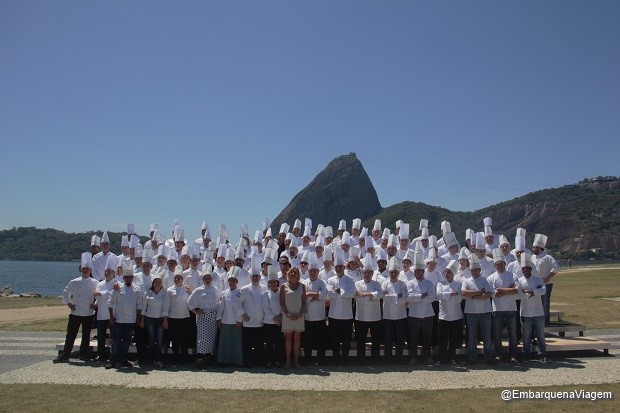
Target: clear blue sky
{"type": "Point", "coordinates": [146, 111]}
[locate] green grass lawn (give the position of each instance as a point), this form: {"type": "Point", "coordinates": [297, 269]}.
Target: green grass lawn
{"type": "Point", "coordinates": [6, 303]}
{"type": "Point", "coordinates": [65, 398]}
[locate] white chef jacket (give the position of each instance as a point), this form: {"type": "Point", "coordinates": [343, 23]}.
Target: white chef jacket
{"type": "Point", "coordinates": [229, 307]}
{"type": "Point", "coordinates": [421, 307]}
{"type": "Point", "coordinates": [99, 262]}
{"type": "Point", "coordinates": [315, 310]}
{"type": "Point", "coordinates": [106, 288]}
{"type": "Point", "coordinates": [125, 302]}
{"type": "Point", "coordinates": [252, 305]}
{"type": "Point", "coordinates": [153, 304]}
{"type": "Point", "coordinates": [81, 292]}
{"type": "Point", "coordinates": [503, 280]}
{"type": "Point", "coordinates": [449, 305]}
{"type": "Point", "coordinates": [192, 278]}
{"type": "Point", "coordinates": [341, 305]}
{"type": "Point", "coordinates": [271, 306]}
{"type": "Point", "coordinates": [532, 306]}
{"type": "Point", "coordinates": [204, 297]}
{"type": "Point", "coordinates": [394, 308]}
{"type": "Point", "coordinates": [367, 308]}
{"type": "Point", "coordinates": [474, 305]}
{"type": "Point", "coordinates": [175, 302]}
{"type": "Point", "coordinates": [545, 265]}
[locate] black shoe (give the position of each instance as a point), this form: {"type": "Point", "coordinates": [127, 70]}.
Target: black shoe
{"type": "Point", "coordinates": [61, 359]}
{"type": "Point", "coordinates": [85, 358]}
{"type": "Point", "coordinates": [110, 366]}
{"type": "Point", "coordinates": [126, 364]}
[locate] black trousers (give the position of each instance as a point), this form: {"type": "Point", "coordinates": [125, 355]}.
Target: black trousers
{"type": "Point", "coordinates": [340, 332]}
{"type": "Point", "coordinates": [420, 327]}
{"type": "Point", "coordinates": [274, 343]}
{"type": "Point", "coordinates": [179, 332]}
{"type": "Point", "coordinates": [73, 326]}
{"type": "Point", "coordinates": [314, 337]}
{"type": "Point", "coordinates": [141, 338]}
{"type": "Point", "coordinates": [394, 335]}
{"type": "Point", "coordinates": [450, 338]}
{"type": "Point", "coordinates": [102, 328]}
{"type": "Point", "coordinates": [361, 332]}
{"type": "Point", "coordinates": [253, 346]}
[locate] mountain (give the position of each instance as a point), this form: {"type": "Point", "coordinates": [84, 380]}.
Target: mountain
{"type": "Point", "coordinates": [581, 220]}
{"type": "Point", "coordinates": [323, 200]}
{"type": "Point", "coordinates": [30, 243]}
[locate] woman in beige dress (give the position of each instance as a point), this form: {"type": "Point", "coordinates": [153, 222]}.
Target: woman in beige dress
{"type": "Point", "coordinates": [293, 304]}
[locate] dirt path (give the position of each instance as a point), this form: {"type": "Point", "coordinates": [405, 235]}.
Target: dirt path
{"type": "Point", "coordinates": [24, 315]}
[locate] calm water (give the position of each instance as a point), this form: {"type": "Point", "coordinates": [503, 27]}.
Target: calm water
{"type": "Point", "coordinates": [47, 278]}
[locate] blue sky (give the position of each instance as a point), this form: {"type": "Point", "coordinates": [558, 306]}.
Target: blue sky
{"type": "Point", "coordinates": [150, 111]}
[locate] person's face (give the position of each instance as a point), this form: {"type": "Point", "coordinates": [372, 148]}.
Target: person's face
{"type": "Point", "coordinates": [125, 250]}
{"type": "Point", "coordinates": [406, 265]}
{"type": "Point", "coordinates": [464, 263]}
{"type": "Point", "coordinates": [500, 266]}
{"type": "Point", "coordinates": [394, 275]}
{"type": "Point", "coordinates": [172, 264]}
{"type": "Point", "coordinates": [293, 276]}
{"type": "Point", "coordinates": [179, 245]}
{"type": "Point", "coordinates": [448, 274]}
{"type": "Point", "coordinates": [206, 242]}
{"type": "Point", "coordinates": [157, 284]}
{"type": "Point", "coordinates": [195, 262]}
{"type": "Point", "coordinates": [128, 279]}
{"type": "Point", "coordinates": [281, 238]}
{"type": "Point", "coordinates": [505, 249]}
{"type": "Point", "coordinates": [339, 269]}
{"type": "Point", "coordinates": [527, 271]}
{"type": "Point", "coordinates": [178, 280]}
{"type": "Point", "coordinates": [453, 249]}
{"type": "Point", "coordinates": [314, 273]}
{"type": "Point", "coordinates": [154, 245]}
{"type": "Point", "coordinates": [138, 261]}
{"type": "Point", "coordinates": [105, 247]}
{"type": "Point", "coordinates": [220, 261]}
{"type": "Point", "coordinates": [425, 243]}
{"type": "Point", "coordinates": [319, 251]}
{"type": "Point", "coordinates": [273, 285]}
{"type": "Point", "coordinates": [146, 267]}
{"type": "Point", "coordinates": [345, 247]}
{"type": "Point", "coordinates": [287, 243]}
{"type": "Point", "coordinates": [304, 266]}
{"type": "Point", "coordinates": [296, 231]}
{"type": "Point", "coordinates": [94, 249]}
{"type": "Point", "coordinates": [404, 244]}
{"type": "Point", "coordinates": [480, 253]}
{"type": "Point", "coordinates": [419, 274]}
{"type": "Point", "coordinates": [536, 250]}
{"type": "Point", "coordinates": [239, 262]}
{"type": "Point", "coordinates": [381, 264]}
{"type": "Point", "coordinates": [475, 272]}
{"type": "Point", "coordinates": [293, 251]}
{"type": "Point", "coordinates": [362, 242]}
{"type": "Point", "coordinates": [384, 243]}
{"type": "Point", "coordinates": [185, 260]}
{"type": "Point", "coordinates": [232, 283]}
{"type": "Point", "coordinates": [306, 240]}
{"type": "Point", "coordinates": [391, 250]}
{"type": "Point", "coordinates": [353, 265]}
{"type": "Point", "coordinates": [355, 231]}
{"type": "Point", "coordinates": [161, 260]}
{"type": "Point", "coordinates": [368, 275]}
{"type": "Point", "coordinates": [109, 274]}
{"type": "Point", "coordinates": [228, 265]}
{"type": "Point", "coordinates": [284, 266]}
{"type": "Point", "coordinates": [85, 272]}
{"type": "Point", "coordinates": [328, 240]}
{"type": "Point", "coordinates": [132, 253]}
{"type": "Point", "coordinates": [489, 239]}
{"type": "Point", "coordinates": [376, 235]}
{"type": "Point", "coordinates": [432, 265]}
{"type": "Point", "coordinates": [327, 265]}
{"type": "Point", "coordinates": [255, 279]}
{"type": "Point", "coordinates": [518, 254]}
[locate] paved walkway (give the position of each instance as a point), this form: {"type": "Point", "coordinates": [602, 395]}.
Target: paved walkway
{"type": "Point", "coordinates": [26, 358]}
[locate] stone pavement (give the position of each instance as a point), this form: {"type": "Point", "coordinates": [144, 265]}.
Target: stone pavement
{"type": "Point", "coordinates": [26, 358]}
